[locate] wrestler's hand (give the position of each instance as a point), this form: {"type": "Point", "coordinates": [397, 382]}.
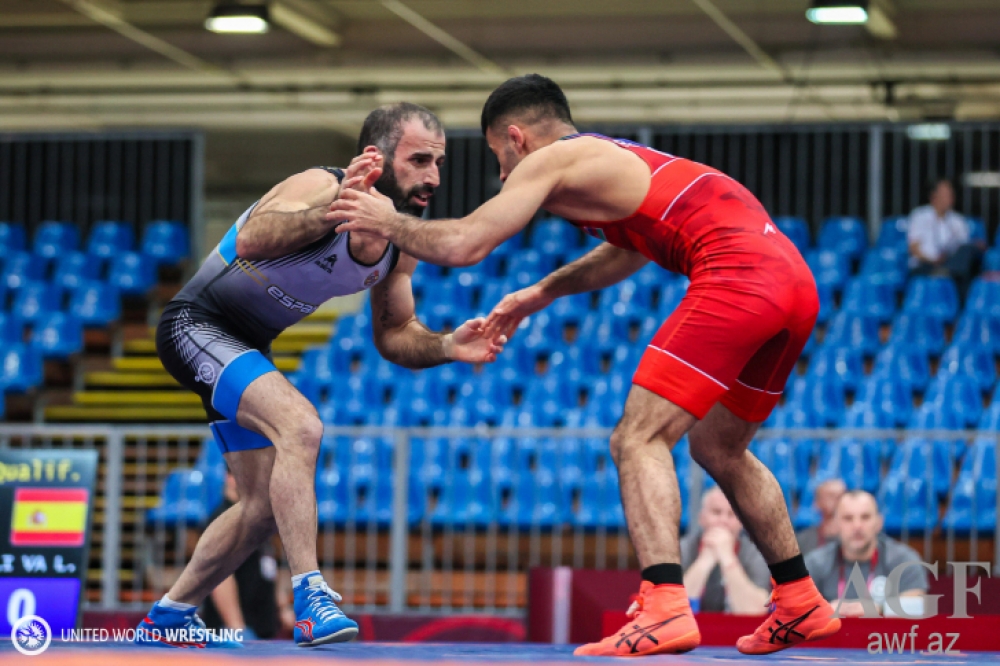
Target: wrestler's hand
{"type": "Point", "coordinates": [513, 308]}
{"type": "Point", "coordinates": [363, 170]}
{"type": "Point", "coordinates": [469, 343]}
{"type": "Point", "coordinates": [369, 212]}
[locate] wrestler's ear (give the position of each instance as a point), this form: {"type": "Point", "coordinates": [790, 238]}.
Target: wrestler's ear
{"type": "Point", "coordinates": [516, 136]}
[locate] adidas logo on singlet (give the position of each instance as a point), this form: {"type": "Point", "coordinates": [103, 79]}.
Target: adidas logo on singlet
{"type": "Point", "coordinates": [327, 263]}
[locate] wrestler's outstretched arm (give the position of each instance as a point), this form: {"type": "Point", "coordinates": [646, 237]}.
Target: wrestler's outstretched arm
{"type": "Point", "coordinates": [602, 267]}
{"type": "Point", "coordinates": [403, 340]}
{"type": "Point", "coordinates": [457, 242]}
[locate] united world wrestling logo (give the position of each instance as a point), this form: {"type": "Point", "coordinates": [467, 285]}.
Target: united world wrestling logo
{"type": "Point", "coordinates": [31, 635]}
{"type": "Point", "coordinates": [206, 373]}
{"type": "Point", "coordinates": [371, 279]}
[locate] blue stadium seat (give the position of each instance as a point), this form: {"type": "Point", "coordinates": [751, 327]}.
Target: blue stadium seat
{"type": "Point", "coordinates": [530, 261]}
{"type": "Point", "coordinates": [670, 296]}
{"type": "Point", "coordinates": [796, 229]}
{"type": "Point", "coordinates": [35, 299]}
{"type": "Point", "coordinates": [467, 499]}
{"type": "Point", "coordinates": [991, 260]}
{"type": "Point", "coordinates": [887, 397]}
{"type": "Point", "coordinates": [74, 268]}
{"type": "Point", "coordinates": [990, 420]}
{"type": "Point", "coordinates": [903, 364]}
{"type": "Point", "coordinates": [449, 292]}
{"type": "Point", "coordinates": [107, 239]}
{"type": "Point", "coordinates": [984, 297]}
{"type": "Point", "coordinates": [57, 335]}
{"type": "Point", "coordinates": [12, 238]}
{"type": "Point", "coordinates": [570, 310]}
{"type": "Point", "coordinates": [132, 273]}
{"type": "Point", "coordinates": [930, 416]}
{"type": "Point", "coordinates": [626, 292]}
{"type": "Point", "coordinates": [22, 267]}
{"type": "Point", "coordinates": [537, 501]}
{"type": "Point", "coordinates": [823, 397]}
{"type": "Point", "coordinates": [918, 331]}
{"type": "Point", "coordinates": [600, 503]}
{"type": "Point", "coordinates": [842, 363]}
{"type": "Point", "coordinates": [893, 232]}
{"type": "Point", "coordinates": [53, 239]}
{"type": "Point", "coordinates": [11, 329]}
{"type": "Point", "coordinates": [865, 296]}
{"type": "Point", "coordinates": [829, 267]}
{"type": "Point", "coordinates": [332, 501]}
{"type": "Point", "coordinates": [778, 455]}
{"type": "Point", "coordinates": [827, 304]}
{"type": "Point", "coordinates": [975, 329]}
{"type": "Point", "coordinates": [972, 361]}
{"type": "Point", "coordinates": [811, 346]}
{"type": "Point", "coordinates": [555, 236]}
{"type": "Point", "coordinates": [188, 498]}
{"type": "Point", "coordinates": [95, 303]}
{"type": "Point", "coordinates": [165, 242]}
{"type": "Point", "coordinates": [932, 461]}
{"type": "Point", "coordinates": [791, 416]}
{"type": "Point", "coordinates": [844, 235]}
{"type": "Point", "coordinates": [854, 331]}
{"type": "Point", "coordinates": [934, 296]}
{"type": "Point", "coordinates": [857, 462]}
{"type": "Point", "coordinates": [21, 369]}
{"type": "Point", "coordinates": [651, 275]}
{"type": "Point", "coordinates": [974, 498]}
{"type": "Point", "coordinates": [908, 505]}
{"type": "Point", "coordinates": [886, 266]}
{"type": "Point", "coordinates": [960, 394]}
{"type": "Point", "coordinates": [977, 229]}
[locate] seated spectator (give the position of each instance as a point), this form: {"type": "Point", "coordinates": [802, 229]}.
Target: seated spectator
{"type": "Point", "coordinates": [825, 500]}
{"type": "Point", "coordinates": [861, 544]}
{"type": "Point", "coordinates": [723, 570]}
{"type": "Point", "coordinates": [939, 239]}
{"type": "Point", "coordinates": [251, 599]}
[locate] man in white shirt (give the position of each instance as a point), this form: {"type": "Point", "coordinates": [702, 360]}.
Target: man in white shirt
{"type": "Point", "coordinates": [939, 239]}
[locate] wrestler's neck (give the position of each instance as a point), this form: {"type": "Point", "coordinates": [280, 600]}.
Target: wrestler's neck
{"type": "Point", "coordinates": [543, 134]}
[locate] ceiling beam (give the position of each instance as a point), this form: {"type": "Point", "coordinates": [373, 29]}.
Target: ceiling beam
{"type": "Point", "coordinates": [104, 16]}
{"type": "Point", "coordinates": [291, 16]}
{"type": "Point", "coordinates": [457, 47]}
{"type": "Point", "coordinates": [879, 22]}
{"type": "Point", "coordinates": [740, 37]}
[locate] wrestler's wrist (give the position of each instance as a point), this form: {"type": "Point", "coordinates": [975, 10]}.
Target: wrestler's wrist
{"type": "Point", "coordinates": [448, 346]}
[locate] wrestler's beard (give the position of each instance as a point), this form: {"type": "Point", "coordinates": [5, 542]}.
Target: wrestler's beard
{"type": "Point", "coordinates": [389, 186]}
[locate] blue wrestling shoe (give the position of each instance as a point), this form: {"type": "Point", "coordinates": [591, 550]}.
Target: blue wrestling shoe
{"type": "Point", "coordinates": [318, 620]}
{"type": "Point", "coordinates": [168, 627]}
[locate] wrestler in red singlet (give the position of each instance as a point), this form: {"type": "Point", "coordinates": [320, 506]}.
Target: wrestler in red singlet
{"type": "Point", "coordinates": [734, 338]}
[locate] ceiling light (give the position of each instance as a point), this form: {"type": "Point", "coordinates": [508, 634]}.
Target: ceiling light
{"type": "Point", "coordinates": [230, 18]}
{"type": "Point", "coordinates": [838, 12]}
{"type": "Point", "coordinates": [929, 132]}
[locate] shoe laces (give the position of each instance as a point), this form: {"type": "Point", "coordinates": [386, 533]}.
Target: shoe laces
{"type": "Point", "coordinates": [323, 601]}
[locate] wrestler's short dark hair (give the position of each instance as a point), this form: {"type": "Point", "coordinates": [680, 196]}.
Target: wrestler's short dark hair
{"type": "Point", "coordinates": [383, 128]}
{"type": "Point", "coordinates": [534, 96]}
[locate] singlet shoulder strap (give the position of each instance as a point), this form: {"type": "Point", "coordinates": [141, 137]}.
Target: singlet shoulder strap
{"type": "Point", "coordinates": [336, 171]}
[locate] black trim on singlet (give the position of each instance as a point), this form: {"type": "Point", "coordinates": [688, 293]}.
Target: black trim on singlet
{"type": "Point", "coordinates": [336, 171]}
{"type": "Point", "coordinates": [395, 259]}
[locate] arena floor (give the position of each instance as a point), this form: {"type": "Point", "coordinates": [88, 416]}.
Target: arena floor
{"type": "Point", "coordinates": [384, 654]}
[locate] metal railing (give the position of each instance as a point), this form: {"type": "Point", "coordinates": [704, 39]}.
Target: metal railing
{"type": "Point", "coordinates": [477, 508]}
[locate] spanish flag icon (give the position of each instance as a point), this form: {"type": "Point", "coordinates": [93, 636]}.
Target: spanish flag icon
{"type": "Point", "coordinates": [49, 517]}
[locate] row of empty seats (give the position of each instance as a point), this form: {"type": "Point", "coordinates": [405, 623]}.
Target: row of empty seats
{"type": "Point", "coordinates": [51, 290]}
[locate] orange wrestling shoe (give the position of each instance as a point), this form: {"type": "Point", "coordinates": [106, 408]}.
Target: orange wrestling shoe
{"type": "Point", "coordinates": [799, 613]}
{"type": "Point", "coordinates": [662, 623]}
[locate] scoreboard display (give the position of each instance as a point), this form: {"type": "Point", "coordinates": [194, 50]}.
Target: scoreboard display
{"type": "Point", "coordinates": [46, 508]}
